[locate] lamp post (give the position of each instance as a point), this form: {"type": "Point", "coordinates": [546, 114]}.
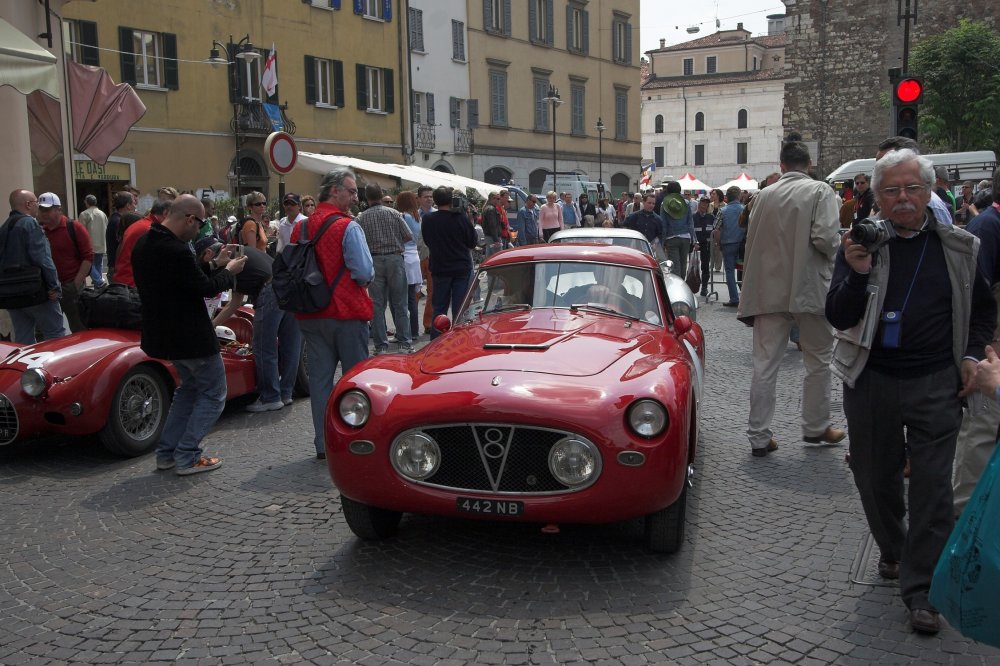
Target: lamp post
{"type": "Point", "coordinates": [600, 127]}
{"type": "Point", "coordinates": [242, 50]}
{"type": "Point", "coordinates": [553, 99]}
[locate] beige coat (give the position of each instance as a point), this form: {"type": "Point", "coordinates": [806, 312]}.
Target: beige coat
{"type": "Point", "coordinates": [791, 244]}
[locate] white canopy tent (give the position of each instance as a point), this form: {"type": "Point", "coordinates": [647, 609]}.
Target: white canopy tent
{"type": "Point", "coordinates": [689, 183]}
{"type": "Point", "coordinates": [744, 182]}
{"type": "Point", "coordinates": [412, 174]}
{"type": "Point", "coordinates": [24, 65]}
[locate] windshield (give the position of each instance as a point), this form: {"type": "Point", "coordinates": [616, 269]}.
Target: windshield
{"type": "Point", "coordinates": [610, 289]}
{"type": "Point", "coordinates": [640, 244]}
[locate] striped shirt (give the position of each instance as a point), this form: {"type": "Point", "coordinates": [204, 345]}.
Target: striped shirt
{"type": "Point", "coordinates": [385, 230]}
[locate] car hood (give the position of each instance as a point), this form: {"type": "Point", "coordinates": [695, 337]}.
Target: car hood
{"type": "Point", "coordinates": [69, 355]}
{"type": "Point", "coordinates": [554, 342]}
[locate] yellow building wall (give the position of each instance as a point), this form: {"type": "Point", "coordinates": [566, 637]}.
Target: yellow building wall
{"type": "Point", "coordinates": [185, 139]}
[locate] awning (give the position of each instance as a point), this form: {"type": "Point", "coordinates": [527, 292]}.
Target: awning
{"type": "Point", "coordinates": [689, 183]}
{"type": "Point", "coordinates": [102, 112]}
{"type": "Point", "coordinates": [743, 181]}
{"type": "Point", "coordinates": [412, 174]}
{"type": "Point", "coordinates": [24, 65]}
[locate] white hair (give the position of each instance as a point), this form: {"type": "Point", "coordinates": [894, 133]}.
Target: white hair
{"type": "Point", "coordinates": [896, 158]}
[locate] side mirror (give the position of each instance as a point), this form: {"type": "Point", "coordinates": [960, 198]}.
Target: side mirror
{"type": "Point", "coordinates": [681, 325]}
{"type": "Point", "coordinates": [443, 324]}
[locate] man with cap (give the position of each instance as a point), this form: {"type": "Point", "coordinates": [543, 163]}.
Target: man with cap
{"type": "Point", "coordinates": [24, 244]}
{"type": "Point", "coordinates": [97, 224]}
{"type": "Point", "coordinates": [292, 205]}
{"type": "Point", "coordinates": [678, 228]}
{"type": "Point", "coordinates": [72, 254]}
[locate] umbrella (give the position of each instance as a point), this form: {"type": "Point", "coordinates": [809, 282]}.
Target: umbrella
{"type": "Point", "coordinates": [102, 111]}
{"type": "Point", "coordinates": [744, 182]}
{"type": "Point", "coordinates": [689, 183]}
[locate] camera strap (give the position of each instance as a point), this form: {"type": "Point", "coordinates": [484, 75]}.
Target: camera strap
{"type": "Point", "coordinates": [916, 272]}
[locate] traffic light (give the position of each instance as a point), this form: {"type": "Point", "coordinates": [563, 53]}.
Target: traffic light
{"type": "Point", "coordinates": [907, 95]}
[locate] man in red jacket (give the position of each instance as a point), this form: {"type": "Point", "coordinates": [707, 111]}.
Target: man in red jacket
{"type": "Point", "coordinates": [72, 253]}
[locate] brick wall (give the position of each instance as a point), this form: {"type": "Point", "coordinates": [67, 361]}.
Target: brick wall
{"type": "Point", "coordinates": [838, 56]}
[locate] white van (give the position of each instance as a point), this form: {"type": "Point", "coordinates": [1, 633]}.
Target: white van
{"type": "Point", "coordinates": [973, 165]}
{"type": "Point", "coordinates": [575, 184]}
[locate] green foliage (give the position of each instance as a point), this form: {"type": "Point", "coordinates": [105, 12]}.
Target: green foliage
{"type": "Point", "coordinates": [961, 72]}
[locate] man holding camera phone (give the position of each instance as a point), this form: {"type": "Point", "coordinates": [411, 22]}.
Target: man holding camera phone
{"type": "Point", "coordinates": [903, 383]}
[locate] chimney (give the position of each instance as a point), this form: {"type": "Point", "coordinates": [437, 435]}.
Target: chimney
{"type": "Point", "coordinates": [663, 42]}
{"type": "Point", "coordinates": [739, 26]}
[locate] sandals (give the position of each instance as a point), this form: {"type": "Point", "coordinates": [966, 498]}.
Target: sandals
{"type": "Point", "coordinates": [203, 464]}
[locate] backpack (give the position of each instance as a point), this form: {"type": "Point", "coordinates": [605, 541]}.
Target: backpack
{"type": "Point", "coordinates": [298, 281]}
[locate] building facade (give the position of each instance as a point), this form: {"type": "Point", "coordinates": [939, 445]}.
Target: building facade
{"type": "Point", "coordinates": [522, 53]}
{"type": "Point", "coordinates": [713, 106]}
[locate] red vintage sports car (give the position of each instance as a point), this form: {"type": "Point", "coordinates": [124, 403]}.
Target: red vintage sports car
{"type": "Point", "coordinates": [567, 391]}
{"type": "Point", "coordinates": [100, 381]}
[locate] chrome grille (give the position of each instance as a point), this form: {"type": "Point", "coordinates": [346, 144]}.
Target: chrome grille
{"type": "Point", "coordinates": [8, 420]}
{"type": "Point", "coordinates": [495, 458]}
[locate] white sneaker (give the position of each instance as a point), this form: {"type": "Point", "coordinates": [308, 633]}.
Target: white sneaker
{"type": "Point", "coordinates": [259, 406]}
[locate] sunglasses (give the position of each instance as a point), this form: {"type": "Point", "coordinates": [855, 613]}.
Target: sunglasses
{"type": "Point", "coordinates": [197, 219]}
{"type": "Point", "coordinates": [258, 203]}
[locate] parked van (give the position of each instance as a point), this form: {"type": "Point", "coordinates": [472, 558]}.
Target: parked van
{"type": "Point", "coordinates": [973, 165]}
{"type": "Point", "coordinates": [575, 184]}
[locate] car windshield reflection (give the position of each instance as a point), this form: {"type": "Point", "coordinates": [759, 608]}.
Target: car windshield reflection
{"type": "Point", "coordinates": [611, 289]}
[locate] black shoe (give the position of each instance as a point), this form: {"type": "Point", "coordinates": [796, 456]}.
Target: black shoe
{"type": "Point", "coordinates": [772, 445]}
{"type": "Point", "coordinates": [888, 570]}
{"type": "Point", "coordinates": [731, 304]}
{"type": "Point", "coordinates": [321, 455]}
{"type": "Point", "coordinates": [925, 621]}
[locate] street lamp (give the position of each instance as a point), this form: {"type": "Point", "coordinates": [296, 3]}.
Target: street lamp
{"type": "Point", "coordinates": [241, 50]}
{"type": "Point", "coordinates": [600, 150]}
{"type": "Point", "coordinates": [553, 99]}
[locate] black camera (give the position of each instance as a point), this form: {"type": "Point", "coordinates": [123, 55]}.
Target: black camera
{"type": "Point", "coordinates": [872, 233]}
{"type": "Point", "coordinates": [459, 201]}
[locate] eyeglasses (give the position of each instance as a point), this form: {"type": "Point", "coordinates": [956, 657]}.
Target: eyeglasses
{"type": "Point", "coordinates": [258, 203]}
{"type": "Point", "coordinates": [911, 190]}
{"type": "Point", "coordinates": [352, 190]}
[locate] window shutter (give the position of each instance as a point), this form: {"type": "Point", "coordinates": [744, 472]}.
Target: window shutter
{"type": "Point", "coordinates": [628, 43]}
{"type": "Point", "coordinates": [569, 27]}
{"type": "Point", "coordinates": [390, 92]}
{"type": "Point", "coordinates": [473, 108]}
{"type": "Point", "coordinates": [532, 20]}
{"type": "Point", "coordinates": [487, 15]}
{"type": "Point", "coordinates": [416, 29]}
{"type": "Point", "coordinates": [549, 21]}
{"type": "Point", "coordinates": [89, 55]}
{"type": "Point", "coordinates": [362, 85]}
{"type": "Point", "coordinates": [506, 18]}
{"type": "Point", "coordinates": [127, 55]}
{"type": "Point", "coordinates": [386, 10]}
{"type": "Point", "coordinates": [338, 84]}
{"type": "Point", "coordinates": [614, 41]}
{"type": "Point", "coordinates": [585, 37]}
{"type": "Point", "coordinates": [359, 7]}
{"type": "Point", "coordinates": [453, 112]}
{"type": "Point", "coordinates": [310, 69]}
{"type": "Point", "coordinates": [170, 60]}
{"type": "Point", "coordinates": [430, 108]}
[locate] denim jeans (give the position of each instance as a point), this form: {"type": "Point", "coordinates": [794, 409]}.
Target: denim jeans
{"type": "Point", "coordinates": [389, 288]}
{"type": "Point", "coordinates": [411, 296]}
{"type": "Point", "coordinates": [47, 317]}
{"type": "Point", "coordinates": [729, 253]}
{"type": "Point", "coordinates": [448, 290]}
{"type": "Point", "coordinates": [277, 346]}
{"type": "Point", "coordinates": [328, 342]}
{"type": "Point", "coordinates": [197, 403]}
{"type": "Point", "coordinates": [97, 270]}
{"type": "Point", "coordinates": [678, 249]}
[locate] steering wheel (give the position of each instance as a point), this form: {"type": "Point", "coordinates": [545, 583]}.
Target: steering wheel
{"type": "Point", "coordinates": [613, 299]}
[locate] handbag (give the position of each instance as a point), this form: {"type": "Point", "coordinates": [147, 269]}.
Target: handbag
{"type": "Point", "coordinates": [693, 278]}
{"type": "Point", "coordinates": [21, 286]}
{"type": "Point", "coordinates": [113, 305]}
{"type": "Point", "coordinates": [967, 577]}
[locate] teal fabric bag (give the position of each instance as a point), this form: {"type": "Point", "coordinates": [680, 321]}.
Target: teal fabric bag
{"type": "Point", "coordinates": [966, 584]}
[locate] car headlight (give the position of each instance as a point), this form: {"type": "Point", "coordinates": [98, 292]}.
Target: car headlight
{"type": "Point", "coordinates": [415, 455]}
{"type": "Point", "coordinates": [647, 418]}
{"type": "Point", "coordinates": [354, 408]}
{"type": "Point", "coordinates": [681, 308]}
{"type": "Point", "coordinates": [35, 382]}
{"type": "Point", "coordinates": [574, 462]}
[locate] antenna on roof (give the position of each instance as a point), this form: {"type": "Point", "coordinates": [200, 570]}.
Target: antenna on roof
{"type": "Point", "coordinates": [718, 24]}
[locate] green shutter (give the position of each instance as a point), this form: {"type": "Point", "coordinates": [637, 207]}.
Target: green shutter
{"type": "Point", "coordinates": [309, 65]}
{"type": "Point", "coordinates": [390, 91]}
{"type": "Point", "coordinates": [87, 34]}
{"type": "Point", "coordinates": [126, 55]}
{"type": "Point", "coordinates": [338, 84]}
{"type": "Point", "coordinates": [170, 78]}
{"type": "Point", "coordinates": [362, 85]}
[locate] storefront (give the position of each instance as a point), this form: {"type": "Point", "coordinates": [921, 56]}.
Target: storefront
{"type": "Point", "coordinates": [101, 180]}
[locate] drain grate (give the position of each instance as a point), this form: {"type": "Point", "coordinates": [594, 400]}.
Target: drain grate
{"type": "Point", "coordinates": [864, 570]}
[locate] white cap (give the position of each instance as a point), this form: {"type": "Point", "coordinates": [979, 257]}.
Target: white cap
{"type": "Point", "coordinates": [49, 200]}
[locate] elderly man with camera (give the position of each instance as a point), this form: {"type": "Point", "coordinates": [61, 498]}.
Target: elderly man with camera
{"type": "Point", "coordinates": [914, 317]}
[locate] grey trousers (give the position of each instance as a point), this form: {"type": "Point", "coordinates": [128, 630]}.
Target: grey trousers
{"type": "Point", "coordinates": [886, 415]}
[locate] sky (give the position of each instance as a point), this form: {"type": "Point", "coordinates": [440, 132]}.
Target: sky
{"type": "Point", "coordinates": [670, 19]}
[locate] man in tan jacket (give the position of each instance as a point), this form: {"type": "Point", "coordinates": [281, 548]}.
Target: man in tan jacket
{"type": "Point", "coordinates": [791, 243]}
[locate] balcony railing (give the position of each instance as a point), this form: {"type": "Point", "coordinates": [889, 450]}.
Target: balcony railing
{"type": "Point", "coordinates": [463, 140]}
{"type": "Point", "coordinates": [253, 120]}
{"type": "Point", "coordinates": [424, 137]}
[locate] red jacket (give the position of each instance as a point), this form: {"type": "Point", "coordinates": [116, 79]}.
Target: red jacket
{"type": "Point", "coordinates": [123, 264]}
{"type": "Point", "coordinates": [65, 255]}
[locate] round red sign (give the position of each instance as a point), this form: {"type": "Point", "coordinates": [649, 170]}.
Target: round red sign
{"type": "Point", "coordinates": [281, 152]}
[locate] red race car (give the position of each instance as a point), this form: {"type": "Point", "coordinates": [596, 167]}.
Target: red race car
{"type": "Point", "coordinates": [566, 391]}
{"type": "Point", "coordinates": [100, 381]}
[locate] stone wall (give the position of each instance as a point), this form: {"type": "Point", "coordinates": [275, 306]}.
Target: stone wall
{"type": "Point", "coordinates": [838, 56]}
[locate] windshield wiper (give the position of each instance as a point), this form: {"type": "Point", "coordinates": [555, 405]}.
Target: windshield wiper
{"type": "Point", "coordinates": [601, 308]}
{"type": "Point", "coordinates": [509, 307]}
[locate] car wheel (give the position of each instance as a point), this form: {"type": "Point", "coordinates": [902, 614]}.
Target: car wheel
{"type": "Point", "coordinates": [301, 387]}
{"type": "Point", "coordinates": [138, 412]}
{"type": "Point", "coordinates": [369, 522]}
{"type": "Point", "coordinates": [665, 528]}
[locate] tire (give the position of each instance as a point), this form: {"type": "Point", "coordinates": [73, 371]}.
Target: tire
{"type": "Point", "coordinates": [138, 413]}
{"type": "Point", "coordinates": [301, 387]}
{"type": "Point", "coordinates": [369, 522]}
{"type": "Point", "coordinates": [665, 528]}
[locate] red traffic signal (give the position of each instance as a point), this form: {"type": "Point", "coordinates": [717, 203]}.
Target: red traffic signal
{"type": "Point", "coordinates": [909, 91]}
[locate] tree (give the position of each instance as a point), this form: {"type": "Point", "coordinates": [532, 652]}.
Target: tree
{"type": "Point", "coordinates": [961, 72]}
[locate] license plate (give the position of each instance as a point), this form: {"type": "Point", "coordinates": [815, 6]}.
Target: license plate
{"type": "Point", "coordinates": [490, 507]}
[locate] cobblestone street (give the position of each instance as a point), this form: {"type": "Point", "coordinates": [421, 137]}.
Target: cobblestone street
{"type": "Point", "coordinates": [108, 561]}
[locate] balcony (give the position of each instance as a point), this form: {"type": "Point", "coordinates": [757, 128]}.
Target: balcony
{"type": "Point", "coordinates": [253, 120]}
{"type": "Point", "coordinates": [463, 141]}
{"type": "Point", "coordinates": [424, 137]}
